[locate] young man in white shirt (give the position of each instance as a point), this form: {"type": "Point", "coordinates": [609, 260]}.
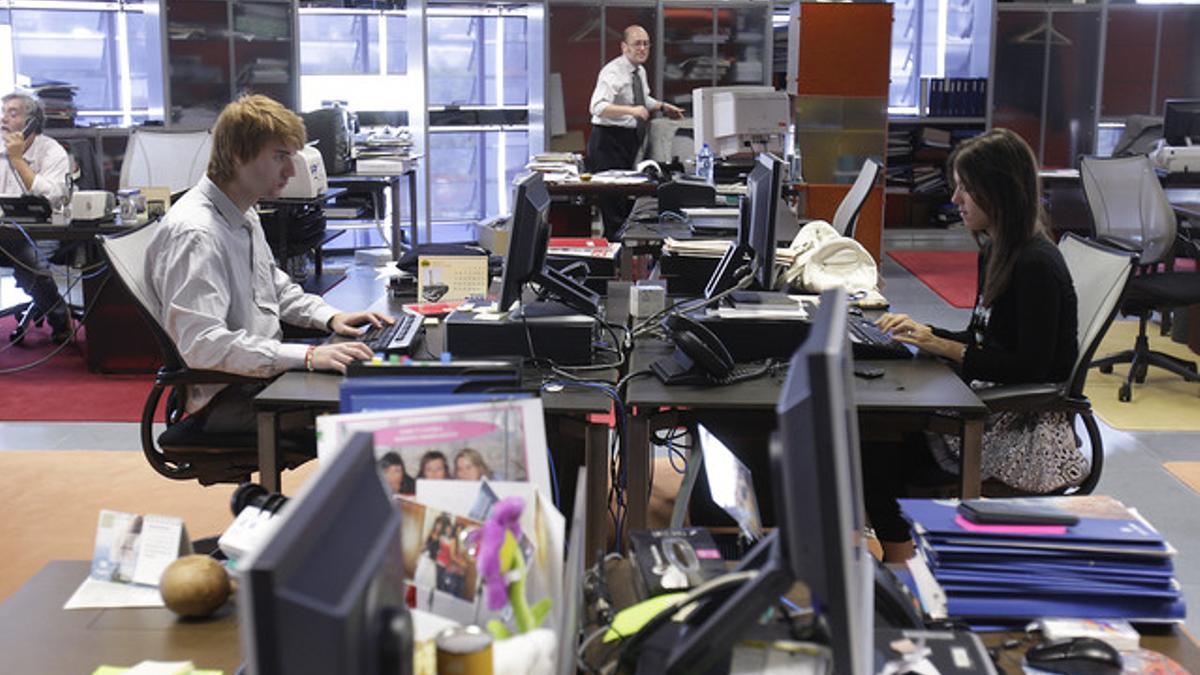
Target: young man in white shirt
{"type": "Point", "coordinates": [222, 296]}
{"type": "Point", "coordinates": [621, 106]}
{"type": "Point", "coordinates": [34, 165]}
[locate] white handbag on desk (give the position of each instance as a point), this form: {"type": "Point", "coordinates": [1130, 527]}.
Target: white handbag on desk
{"type": "Point", "coordinates": [825, 259]}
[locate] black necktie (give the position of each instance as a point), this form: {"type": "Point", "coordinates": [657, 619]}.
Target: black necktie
{"type": "Point", "coordinates": [639, 98]}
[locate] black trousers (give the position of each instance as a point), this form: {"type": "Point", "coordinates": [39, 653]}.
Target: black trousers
{"type": "Point", "coordinates": [612, 148]}
{"type": "Point", "coordinates": [32, 275]}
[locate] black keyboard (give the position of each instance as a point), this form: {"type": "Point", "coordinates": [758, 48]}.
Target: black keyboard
{"type": "Point", "coordinates": [868, 342]}
{"type": "Point", "coordinates": [397, 338]}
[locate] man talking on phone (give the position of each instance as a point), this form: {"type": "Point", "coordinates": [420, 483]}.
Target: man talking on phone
{"type": "Point", "coordinates": [32, 165]}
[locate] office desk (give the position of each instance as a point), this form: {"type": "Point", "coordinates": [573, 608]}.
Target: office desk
{"type": "Point", "coordinates": [319, 392]}
{"type": "Point", "coordinates": [38, 636]}
{"type": "Point", "coordinates": [911, 394]}
{"type": "Point", "coordinates": [391, 181]}
{"type": "Point", "coordinates": [114, 343]}
{"type": "Point", "coordinates": [602, 189]}
{"type": "Point", "coordinates": [648, 237]}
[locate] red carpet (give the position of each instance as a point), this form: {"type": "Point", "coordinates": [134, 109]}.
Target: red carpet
{"type": "Point", "coordinates": [951, 274]}
{"type": "Point", "coordinates": [62, 389]}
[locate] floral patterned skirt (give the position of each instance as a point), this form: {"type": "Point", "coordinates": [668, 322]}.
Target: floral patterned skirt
{"type": "Point", "coordinates": [1029, 451]}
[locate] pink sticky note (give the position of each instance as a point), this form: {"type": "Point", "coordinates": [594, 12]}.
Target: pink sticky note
{"type": "Point", "coordinates": [1008, 529]}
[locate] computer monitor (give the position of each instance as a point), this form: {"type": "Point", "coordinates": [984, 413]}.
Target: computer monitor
{"type": "Point", "coordinates": [1181, 121]}
{"type": "Point", "coordinates": [763, 185]}
{"type": "Point", "coordinates": [572, 592]}
{"type": "Point", "coordinates": [819, 510]}
{"type": "Point", "coordinates": [526, 259]}
{"type": "Point", "coordinates": [325, 593]}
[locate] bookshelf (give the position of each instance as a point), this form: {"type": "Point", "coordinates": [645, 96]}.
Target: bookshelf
{"type": "Point", "coordinates": [918, 188]}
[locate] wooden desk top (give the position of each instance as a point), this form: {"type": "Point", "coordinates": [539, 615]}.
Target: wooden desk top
{"type": "Point", "coordinates": [40, 637]}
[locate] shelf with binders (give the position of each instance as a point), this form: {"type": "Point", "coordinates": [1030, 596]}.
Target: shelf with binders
{"type": "Point", "coordinates": [918, 185]}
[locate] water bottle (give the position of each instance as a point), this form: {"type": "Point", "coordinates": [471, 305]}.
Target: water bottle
{"type": "Point", "coordinates": [704, 164]}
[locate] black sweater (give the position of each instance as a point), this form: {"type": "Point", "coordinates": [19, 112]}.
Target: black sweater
{"type": "Point", "coordinates": [1028, 335]}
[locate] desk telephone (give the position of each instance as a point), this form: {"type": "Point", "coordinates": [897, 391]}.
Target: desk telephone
{"type": "Point", "coordinates": [700, 357]}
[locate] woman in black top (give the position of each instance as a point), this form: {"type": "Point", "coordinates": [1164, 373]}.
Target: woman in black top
{"type": "Point", "coordinates": [1023, 330]}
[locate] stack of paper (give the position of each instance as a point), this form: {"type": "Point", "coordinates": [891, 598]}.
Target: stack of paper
{"type": "Point", "coordinates": [556, 167]}
{"type": "Point", "coordinates": [1112, 564]}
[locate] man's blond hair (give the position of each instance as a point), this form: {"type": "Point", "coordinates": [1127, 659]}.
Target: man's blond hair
{"type": "Point", "coordinates": [244, 129]}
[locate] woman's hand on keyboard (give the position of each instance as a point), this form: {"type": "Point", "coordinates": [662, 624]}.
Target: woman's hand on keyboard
{"type": "Point", "coordinates": [350, 323]}
{"type": "Point", "coordinates": [904, 329]}
{"type": "Point", "coordinates": [337, 356]}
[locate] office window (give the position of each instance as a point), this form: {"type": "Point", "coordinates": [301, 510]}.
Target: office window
{"type": "Point", "coordinates": [465, 61]}
{"type": "Point", "coordinates": [468, 183]}
{"type": "Point", "coordinates": [112, 58]}
{"type": "Point", "coordinates": [340, 44]}
{"type": "Point", "coordinates": [935, 39]}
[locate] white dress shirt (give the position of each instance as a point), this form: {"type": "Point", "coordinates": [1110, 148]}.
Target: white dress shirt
{"type": "Point", "coordinates": [50, 165]}
{"type": "Point", "coordinates": [221, 296]}
{"type": "Point", "coordinates": [614, 84]}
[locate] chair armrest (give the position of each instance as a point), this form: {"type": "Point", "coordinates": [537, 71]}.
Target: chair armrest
{"type": "Point", "coordinates": [1122, 244]}
{"type": "Point", "coordinates": [169, 377]}
{"type": "Point", "coordinates": [1021, 397]}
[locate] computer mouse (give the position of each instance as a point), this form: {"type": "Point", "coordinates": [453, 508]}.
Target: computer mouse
{"type": "Point", "coordinates": [1075, 656]}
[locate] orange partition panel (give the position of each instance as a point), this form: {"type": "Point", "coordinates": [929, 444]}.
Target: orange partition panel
{"type": "Point", "coordinates": [821, 201]}
{"type": "Point", "coordinates": [844, 49]}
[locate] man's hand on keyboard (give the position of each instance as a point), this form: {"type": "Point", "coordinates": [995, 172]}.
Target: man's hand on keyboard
{"type": "Point", "coordinates": [904, 329]}
{"type": "Point", "coordinates": [350, 323]}
{"type": "Point", "coordinates": [338, 355]}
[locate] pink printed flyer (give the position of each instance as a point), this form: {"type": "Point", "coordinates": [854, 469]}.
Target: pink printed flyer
{"type": "Point", "coordinates": [497, 441]}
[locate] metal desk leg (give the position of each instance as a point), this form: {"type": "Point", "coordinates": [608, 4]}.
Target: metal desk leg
{"type": "Point", "coordinates": [596, 459]}
{"type": "Point", "coordinates": [972, 458]}
{"type": "Point", "coordinates": [270, 469]}
{"type": "Point", "coordinates": [394, 184]}
{"type": "Point", "coordinates": [638, 457]}
{"type": "Point", "coordinates": [412, 205]}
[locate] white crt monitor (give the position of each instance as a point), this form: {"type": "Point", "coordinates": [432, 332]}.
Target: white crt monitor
{"type": "Point", "coordinates": [750, 122]}
{"type": "Point", "coordinates": [708, 119]}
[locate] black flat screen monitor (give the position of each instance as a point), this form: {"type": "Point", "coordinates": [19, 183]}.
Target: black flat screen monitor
{"type": "Point", "coordinates": [325, 593]}
{"type": "Point", "coordinates": [1181, 121]}
{"type": "Point", "coordinates": [527, 240]}
{"type": "Point", "coordinates": [763, 185]}
{"type": "Point", "coordinates": [818, 494]}
{"type": "Point", "coordinates": [526, 259]}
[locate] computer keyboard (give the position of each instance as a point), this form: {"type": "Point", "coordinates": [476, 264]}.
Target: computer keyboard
{"type": "Point", "coordinates": [868, 342]}
{"type": "Point", "coordinates": [396, 338]}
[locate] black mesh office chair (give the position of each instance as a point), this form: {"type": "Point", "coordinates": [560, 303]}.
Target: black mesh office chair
{"type": "Point", "coordinates": [183, 452]}
{"type": "Point", "coordinates": [1131, 211]}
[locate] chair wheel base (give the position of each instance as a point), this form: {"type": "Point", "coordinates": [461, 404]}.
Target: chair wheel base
{"type": "Point", "coordinates": [1106, 369]}
{"type": "Point", "coordinates": [1125, 393]}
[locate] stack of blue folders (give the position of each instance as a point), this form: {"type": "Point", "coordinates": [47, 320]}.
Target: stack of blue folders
{"type": "Point", "coordinates": [1112, 564]}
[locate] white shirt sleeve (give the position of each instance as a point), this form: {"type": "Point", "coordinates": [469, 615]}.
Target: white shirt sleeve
{"type": "Point", "coordinates": [50, 165]}
{"type": "Point", "coordinates": [604, 94]}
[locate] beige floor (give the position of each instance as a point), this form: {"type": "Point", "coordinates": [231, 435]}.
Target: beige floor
{"type": "Point", "coordinates": [52, 501]}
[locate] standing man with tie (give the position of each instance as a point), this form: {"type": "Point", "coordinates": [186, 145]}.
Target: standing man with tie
{"type": "Point", "coordinates": [621, 107]}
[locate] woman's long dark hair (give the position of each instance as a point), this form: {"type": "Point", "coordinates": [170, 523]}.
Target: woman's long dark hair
{"type": "Point", "coordinates": [998, 170]}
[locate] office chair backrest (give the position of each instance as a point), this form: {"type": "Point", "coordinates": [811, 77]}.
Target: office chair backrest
{"type": "Point", "coordinates": [1128, 205]}
{"type": "Point", "coordinates": [172, 159]}
{"type": "Point", "coordinates": [846, 216]}
{"type": "Point", "coordinates": [1099, 274]}
{"type": "Point", "coordinates": [126, 256]}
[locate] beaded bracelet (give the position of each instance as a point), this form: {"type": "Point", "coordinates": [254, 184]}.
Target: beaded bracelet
{"type": "Point", "coordinates": [308, 357]}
